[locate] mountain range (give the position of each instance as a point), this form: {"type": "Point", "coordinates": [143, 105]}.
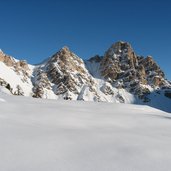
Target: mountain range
{"type": "Point", "coordinates": [119, 76]}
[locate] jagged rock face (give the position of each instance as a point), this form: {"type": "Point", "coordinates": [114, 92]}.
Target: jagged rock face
{"type": "Point", "coordinates": [22, 65]}
{"type": "Point", "coordinates": [124, 69]}
{"type": "Point", "coordinates": [67, 71]}
{"type": "Point", "coordinates": [119, 62]}
{"type": "Point", "coordinates": [68, 74]}
{"type": "Point", "coordinates": [18, 66]}
{"type": "Point", "coordinates": [9, 61]}
{"type": "Point", "coordinates": [19, 75]}
{"type": "Point", "coordinates": [106, 89]}
{"type": "Point", "coordinates": [41, 82]}
{"type": "Point", "coordinates": [154, 75]}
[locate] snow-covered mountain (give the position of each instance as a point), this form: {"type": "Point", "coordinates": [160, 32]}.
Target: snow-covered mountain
{"type": "Point", "coordinates": [120, 76]}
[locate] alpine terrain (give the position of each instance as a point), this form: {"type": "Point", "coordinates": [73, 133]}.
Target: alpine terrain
{"type": "Point", "coordinates": [119, 76]}
{"type": "Point", "coordinates": [39, 134]}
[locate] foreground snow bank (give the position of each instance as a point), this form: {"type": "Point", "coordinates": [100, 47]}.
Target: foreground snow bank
{"type": "Point", "coordinates": [41, 135]}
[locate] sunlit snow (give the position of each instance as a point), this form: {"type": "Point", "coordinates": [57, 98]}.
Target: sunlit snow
{"type": "Point", "coordinates": [57, 135]}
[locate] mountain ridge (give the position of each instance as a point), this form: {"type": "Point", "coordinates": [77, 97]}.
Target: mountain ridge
{"type": "Point", "coordinates": [119, 76]}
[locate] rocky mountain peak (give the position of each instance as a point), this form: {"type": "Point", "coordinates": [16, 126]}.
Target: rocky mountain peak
{"type": "Point", "coordinates": [121, 46]}
{"type": "Point", "coordinates": [64, 56]}
{"type": "Point", "coordinates": [65, 49]}
{"type": "Point", "coordinates": [121, 67]}
{"type": "Point", "coordinates": [67, 72]}
{"type": "Point", "coordinates": [119, 49]}
{"type": "Point", "coordinates": [66, 60]}
{"type": "Point", "coordinates": [119, 58]}
{"type": "Point", "coordinates": [120, 62]}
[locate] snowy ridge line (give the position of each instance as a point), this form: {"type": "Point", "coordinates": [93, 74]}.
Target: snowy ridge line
{"type": "Point", "coordinates": [120, 76]}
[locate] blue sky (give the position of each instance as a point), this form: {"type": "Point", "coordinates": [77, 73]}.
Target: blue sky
{"type": "Point", "coordinates": [35, 29]}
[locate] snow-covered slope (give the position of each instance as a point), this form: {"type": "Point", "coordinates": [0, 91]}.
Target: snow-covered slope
{"type": "Point", "coordinates": [41, 135]}
{"type": "Point", "coordinates": [16, 75]}
{"type": "Point", "coordinates": [11, 77]}
{"type": "Point", "coordinates": [120, 76]}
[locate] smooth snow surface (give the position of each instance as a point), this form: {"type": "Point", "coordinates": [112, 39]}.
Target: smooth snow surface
{"type": "Point", "coordinates": [2, 100]}
{"type": "Point", "coordinates": [48, 135]}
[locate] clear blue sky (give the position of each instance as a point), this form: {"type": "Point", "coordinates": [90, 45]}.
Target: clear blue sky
{"type": "Point", "coordinates": [35, 29]}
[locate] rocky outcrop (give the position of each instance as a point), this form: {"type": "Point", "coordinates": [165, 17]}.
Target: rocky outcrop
{"type": "Point", "coordinates": [120, 57]}
{"type": "Point", "coordinates": [154, 75]}
{"type": "Point", "coordinates": [124, 69]}
{"type": "Point", "coordinates": [41, 83]}
{"type": "Point", "coordinates": [67, 73]}
{"type": "Point", "coordinates": [9, 61]}
{"type": "Point", "coordinates": [107, 89]}
{"type": "Point", "coordinates": [19, 66]}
